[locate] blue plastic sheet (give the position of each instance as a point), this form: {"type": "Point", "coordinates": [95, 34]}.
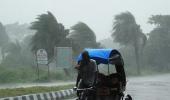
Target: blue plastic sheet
{"type": "Point", "coordinates": [100, 55]}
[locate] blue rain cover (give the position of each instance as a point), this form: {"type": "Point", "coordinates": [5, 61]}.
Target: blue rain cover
{"type": "Point", "coordinates": [100, 55]}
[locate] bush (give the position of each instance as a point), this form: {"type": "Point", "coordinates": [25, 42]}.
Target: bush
{"type": "Point", "coordinates": [29, 74]}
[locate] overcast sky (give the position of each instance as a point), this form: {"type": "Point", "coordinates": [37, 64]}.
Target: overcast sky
{"type": "Point", "coordinates": [98, 14]}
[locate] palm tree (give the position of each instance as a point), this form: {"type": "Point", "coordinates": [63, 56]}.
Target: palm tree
{"type": "Point", "coordinates": [159, 41]}
{"type": "Point", "coordinates": [83, 37]}
{"type": "Point", "coordinates": [49, 33]}
{"type": "Point", "coordinates": [127, 32]}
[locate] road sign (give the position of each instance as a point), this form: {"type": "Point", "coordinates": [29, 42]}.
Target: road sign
{"type": "Point", "coordinates": [63, 57]}
{"type": "Point", "coordinates": [42, 57]}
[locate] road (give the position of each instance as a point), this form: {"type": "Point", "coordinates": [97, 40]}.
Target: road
{"type": "Point", "coordinates": [149, 88]}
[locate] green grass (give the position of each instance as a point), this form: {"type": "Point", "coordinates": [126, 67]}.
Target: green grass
{"type": "Point", "coordinates": [31, 90]}
{"type": "Point", "coordinates": [29, 75]}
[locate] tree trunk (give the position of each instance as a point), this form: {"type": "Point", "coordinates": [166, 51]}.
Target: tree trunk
{"type": "Point", "coordinates": [2, 54]}
{"type": "Point", "coordinates": [66, 71]}
{"type": "Point", "coordinates": [137, 58]}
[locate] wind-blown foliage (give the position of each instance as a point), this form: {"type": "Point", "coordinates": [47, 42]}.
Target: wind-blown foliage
{"type": "Point", "coordinates": [4, 39]}
{"type": "Point", "coordinates": [83, 36]}
{"type": "Point", "coordinates": [49, 33]}
{"type": "Point", "coordinates": [127, 32]}
{"type": "Point", "coordinates": [17, 31]}
{"type": "Point", "coordinates": [159, 42]}
{"type": "Point", "coordinates": [3, 35]}
{"type": "Point", "coordinates": [13, 56]}
{"type": "Point", "coordinates": [125, 29]}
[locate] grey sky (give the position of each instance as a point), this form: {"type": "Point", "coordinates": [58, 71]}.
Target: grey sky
{"type": "Point", "coordinates": [98, 14]}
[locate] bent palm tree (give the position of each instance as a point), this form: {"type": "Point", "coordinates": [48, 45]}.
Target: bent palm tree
{"type": "Point", "coordinates": [127, 32]}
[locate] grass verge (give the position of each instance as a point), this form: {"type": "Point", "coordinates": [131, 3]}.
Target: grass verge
{"type": "Point", "coordinates": [31, 90]}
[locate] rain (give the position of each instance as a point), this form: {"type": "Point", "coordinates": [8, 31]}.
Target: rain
{"type": "Point", "coordinates": [41, 40]}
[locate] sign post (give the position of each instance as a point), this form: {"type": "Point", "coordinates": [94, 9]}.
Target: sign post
{"type": "Point", "coordinates": [63, 57]}
{"type": "Point", "coordinates": [42, 59]}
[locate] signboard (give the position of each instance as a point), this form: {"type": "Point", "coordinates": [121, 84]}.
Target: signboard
{"type": "Point", "coordinates": [42, 57]}
{"type": "Point", "coordinates": [63, 57]}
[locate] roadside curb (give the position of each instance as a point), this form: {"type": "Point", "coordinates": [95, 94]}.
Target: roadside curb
{"type": "Point", "coordinates": [57, 95]}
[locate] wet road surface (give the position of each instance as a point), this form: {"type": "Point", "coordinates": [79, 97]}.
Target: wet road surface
{"type": "Point", "coordinates": [150, 87]}
{"type": "Point", "coordinates": [155, 87]}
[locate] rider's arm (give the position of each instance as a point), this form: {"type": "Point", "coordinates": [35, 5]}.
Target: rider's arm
{"type": "Point", "coordinates": [78, 76]}
{"type": "Point", "coordinates": [78, 79]}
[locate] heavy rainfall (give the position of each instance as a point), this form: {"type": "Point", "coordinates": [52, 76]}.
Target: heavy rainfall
{"type": "Point", "coordinates": [41, 40]}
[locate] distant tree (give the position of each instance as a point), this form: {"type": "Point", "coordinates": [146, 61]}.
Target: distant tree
{"type": "Point", "coordinates": [159, 41]}
{"type": "Point", "coordinates": [3, 39]}
{"type": "Point", "coordinates": [13, 54]}
{"type": "Point", "coordinates": [127, 32]}
{"type": "Point", "coordinates": [3, 35]}
{"type": "Point", "coordinates": [49, 33]}
{"type": "Point", "coordinates": [26, 51]}
{"type": "Point", "coordinates": [18, 31]}
{"type": "Point", "coordinates": [83, 37]}
{"type": "Point", "coordinates": [18, 54]}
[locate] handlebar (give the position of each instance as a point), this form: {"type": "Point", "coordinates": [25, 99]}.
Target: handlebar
{"type": "Point", "coordinates": [84, 89]}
